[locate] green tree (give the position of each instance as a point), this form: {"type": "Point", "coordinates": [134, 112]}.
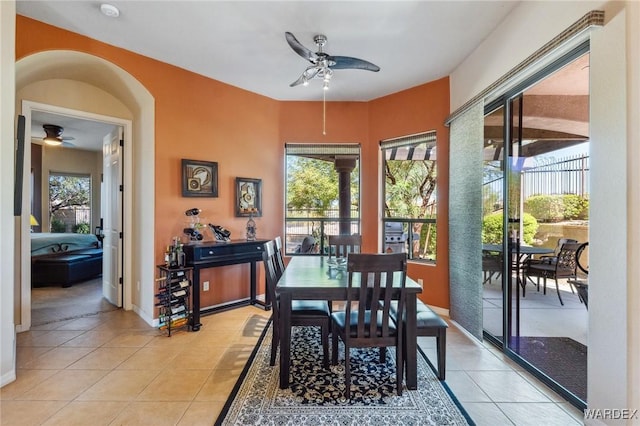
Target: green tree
{"type": "Point", "coordinates": [311, 184]}
{"type": "Point", "coordinates": [409, 187]}
{"type": "Point", "coordinates": [68, 191]}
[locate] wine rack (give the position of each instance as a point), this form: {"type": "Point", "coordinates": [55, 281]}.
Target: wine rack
{"type": "Point", "coordinates": [174, 298]}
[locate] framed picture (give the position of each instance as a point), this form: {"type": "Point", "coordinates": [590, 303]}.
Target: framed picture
{"type": "Point", "coordinates": [248, 197]}
{"type": "Point", "coordinates": [199, 178]}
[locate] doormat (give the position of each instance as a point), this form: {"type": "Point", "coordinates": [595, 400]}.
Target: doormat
{"type": "Point", "coordinates": [561, 358]}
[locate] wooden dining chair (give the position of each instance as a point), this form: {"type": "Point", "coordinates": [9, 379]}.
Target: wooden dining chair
{"type": "Point", "coordinates": [363, 325]}
{"type": "Point", "coordinates": [279, 255]}
{"type": "Point", "coordinates": [303, 312]}
{"type": "Point", "coordinates": [342, 245]}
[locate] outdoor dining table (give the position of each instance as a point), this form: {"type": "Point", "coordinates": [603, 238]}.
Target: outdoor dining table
{"type": "Point", "coordinates": [522, 252]}
{"type": "Point", "coordinates": [316, 278]}
{"type": "Point", "coordinates": [527, 251]}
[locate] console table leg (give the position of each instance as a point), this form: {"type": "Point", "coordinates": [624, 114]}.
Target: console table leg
{"type": "Point", "coordinates": [195, 311]}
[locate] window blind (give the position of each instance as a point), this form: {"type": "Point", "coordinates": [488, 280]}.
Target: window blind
{"type": "Point", "coordinates": [322, 149]}
{"type": "Point", "coordinates": [421, 146]}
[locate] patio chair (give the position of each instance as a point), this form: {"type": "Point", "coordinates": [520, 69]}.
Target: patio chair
{"type": "Point", "coordinates": [491, 266]}
{"type": "Point", "coordinates": [303, 312]}
{"type": "Point", "coordinates": [581, 283]}
{"type": "Point", "coordinates": [553, 258]}
{"type": "Point", "coordinates": [308, 245]}
{"type": "Point", "coordinates": [362, 326]}
{"type": "Point", "coordinates": [564, 267]}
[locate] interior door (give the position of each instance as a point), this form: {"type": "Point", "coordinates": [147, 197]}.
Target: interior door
{"type": "Point", "coordinates": [111, 212]}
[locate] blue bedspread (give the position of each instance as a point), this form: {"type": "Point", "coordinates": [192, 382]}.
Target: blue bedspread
{"type": "Point", "coordinates": [50, 243]}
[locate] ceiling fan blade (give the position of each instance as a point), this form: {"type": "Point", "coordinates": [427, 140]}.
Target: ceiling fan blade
{"type": "Point", "coordinates": [346, 62]}
{"type": "Point", "coordinates": [307, 75]}
{"type": "Point", "coordinates": [67, 144]}
{"type": "Point", "coordinates": [300, 49]}
{"type": "Point", "coordinates": [298, 82]}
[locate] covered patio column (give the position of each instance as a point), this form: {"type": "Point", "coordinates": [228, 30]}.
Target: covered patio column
{"type": "Point", "coordinates": [344, 166]}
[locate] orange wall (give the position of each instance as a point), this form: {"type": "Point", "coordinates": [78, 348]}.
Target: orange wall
{"type": "Point", "coordinates": [202, 119]}
{"type": "Point", "coordinates": [411, 111]}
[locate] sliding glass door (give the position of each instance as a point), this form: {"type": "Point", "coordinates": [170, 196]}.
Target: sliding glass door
{"type": "Point", "coordinates": [535, 218]}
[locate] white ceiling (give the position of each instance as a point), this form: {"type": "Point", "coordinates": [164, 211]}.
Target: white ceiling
{"type": "Point", "coordinates": [77, 133]}
{"type": "Point", "coordinates": [242, 43]}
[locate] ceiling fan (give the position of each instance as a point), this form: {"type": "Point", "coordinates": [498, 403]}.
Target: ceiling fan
{"type": "Point", "coordinates": [54, 136]}
{"type": "Point", "coordinates": [323, 64]}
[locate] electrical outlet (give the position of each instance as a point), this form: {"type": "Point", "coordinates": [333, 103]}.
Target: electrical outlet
{"type": "Point", "coordinates": [205, 286]}
{"type": "Point", "coordinates": [420, 282]}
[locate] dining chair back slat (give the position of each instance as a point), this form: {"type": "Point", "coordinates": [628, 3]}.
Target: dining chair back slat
{"type": "Point", "coordinates": [342, 245]}
{"type": "Point", "coordinates": [279, 255]}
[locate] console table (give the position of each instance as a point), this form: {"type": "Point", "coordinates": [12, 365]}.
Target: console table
{"type": "Point", "coordinates": [211, 254]}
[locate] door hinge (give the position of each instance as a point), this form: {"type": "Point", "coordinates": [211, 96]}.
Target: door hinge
{"type": "Point", "coordinates": [121, 142]}
{"type": "Point", "coordinates": [120, 280]}
{"type": "Point", "coordinates": [121, 188]}
{"type": "Point", "coordinates": [121, 235]}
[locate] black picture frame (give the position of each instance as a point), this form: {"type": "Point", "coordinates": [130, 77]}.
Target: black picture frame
{"type": "Point", "coordinates": [199, 178]}
{"type": "Point", "coordinates": [248, 197]}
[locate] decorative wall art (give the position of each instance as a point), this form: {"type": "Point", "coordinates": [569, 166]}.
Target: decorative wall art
{"type": "Point", "coordinates": [199, 178]}
{"type": "Point", "coordinates": [248, 197]}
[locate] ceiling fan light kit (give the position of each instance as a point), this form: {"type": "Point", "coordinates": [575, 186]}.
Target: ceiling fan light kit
{"type": "Point", "coordinates": [54, 135]}
{"type": "Point", "coordinates": [322, 66]}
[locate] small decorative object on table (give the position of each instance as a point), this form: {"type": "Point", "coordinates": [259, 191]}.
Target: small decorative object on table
{"type": "Point", "coordinates": [194, 225]}
{"type": "Point", "coordinates": [174, 255]}
{"type": "Point", "coordinates": [251, 227]}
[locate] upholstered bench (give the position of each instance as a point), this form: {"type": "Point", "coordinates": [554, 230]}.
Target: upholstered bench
{"type": "Point", "coordinates": [65, 269]}
{"type": "Point", "coordinates": [430, 324]}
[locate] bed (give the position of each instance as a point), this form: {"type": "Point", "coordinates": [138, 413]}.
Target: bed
{"type": "Point", "coordinates": [64, 258]}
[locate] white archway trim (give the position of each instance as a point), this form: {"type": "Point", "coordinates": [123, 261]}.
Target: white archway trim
{"type": "Point", "coordinates": [139, 162]}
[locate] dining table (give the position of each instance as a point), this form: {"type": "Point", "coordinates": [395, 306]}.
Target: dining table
{"type": "Point", "coordinates": [319, 278]}
{"type": "Point", "coordinates": [521, 253]}
{"type": "Point", "coordinates": [523, 250]}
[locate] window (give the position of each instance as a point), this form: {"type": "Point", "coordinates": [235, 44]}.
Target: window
{"type": "Point", "coordinates": [409, 218]}
{"type": "Point", "coordinates": [70, 202]}
{"type": "Point", "coordinates": [322, 195]}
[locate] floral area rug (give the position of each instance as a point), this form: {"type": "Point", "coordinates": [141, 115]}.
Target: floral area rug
{"type": "Point", "coordinates": [316, 396]}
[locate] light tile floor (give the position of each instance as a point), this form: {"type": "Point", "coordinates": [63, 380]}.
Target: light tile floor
{"type": "Point", "coordinates": [114, 369]}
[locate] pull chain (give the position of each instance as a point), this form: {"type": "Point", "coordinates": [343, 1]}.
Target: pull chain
{"type": "Point", "coordinates": [324, 112]}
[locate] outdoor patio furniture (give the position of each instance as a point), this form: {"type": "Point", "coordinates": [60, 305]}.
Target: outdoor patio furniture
{"type": "Point", "coordinates": [565, 267]}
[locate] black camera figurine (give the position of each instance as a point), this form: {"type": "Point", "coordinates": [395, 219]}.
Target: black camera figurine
{"type": "Point", "coordinates": [193, 234]}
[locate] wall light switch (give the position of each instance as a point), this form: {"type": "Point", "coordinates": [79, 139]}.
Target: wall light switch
{"type": "Point", "coordinates": [420, 282]}
{"type": "Point", "coordinates": [205, 286]}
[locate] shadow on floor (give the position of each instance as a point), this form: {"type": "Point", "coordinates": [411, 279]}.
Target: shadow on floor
{"type": "Point", "coordinates": [53, 304]}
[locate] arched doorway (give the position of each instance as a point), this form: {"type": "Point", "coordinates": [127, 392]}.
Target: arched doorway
{"type": "Point", "coordinates": [80, 69]}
